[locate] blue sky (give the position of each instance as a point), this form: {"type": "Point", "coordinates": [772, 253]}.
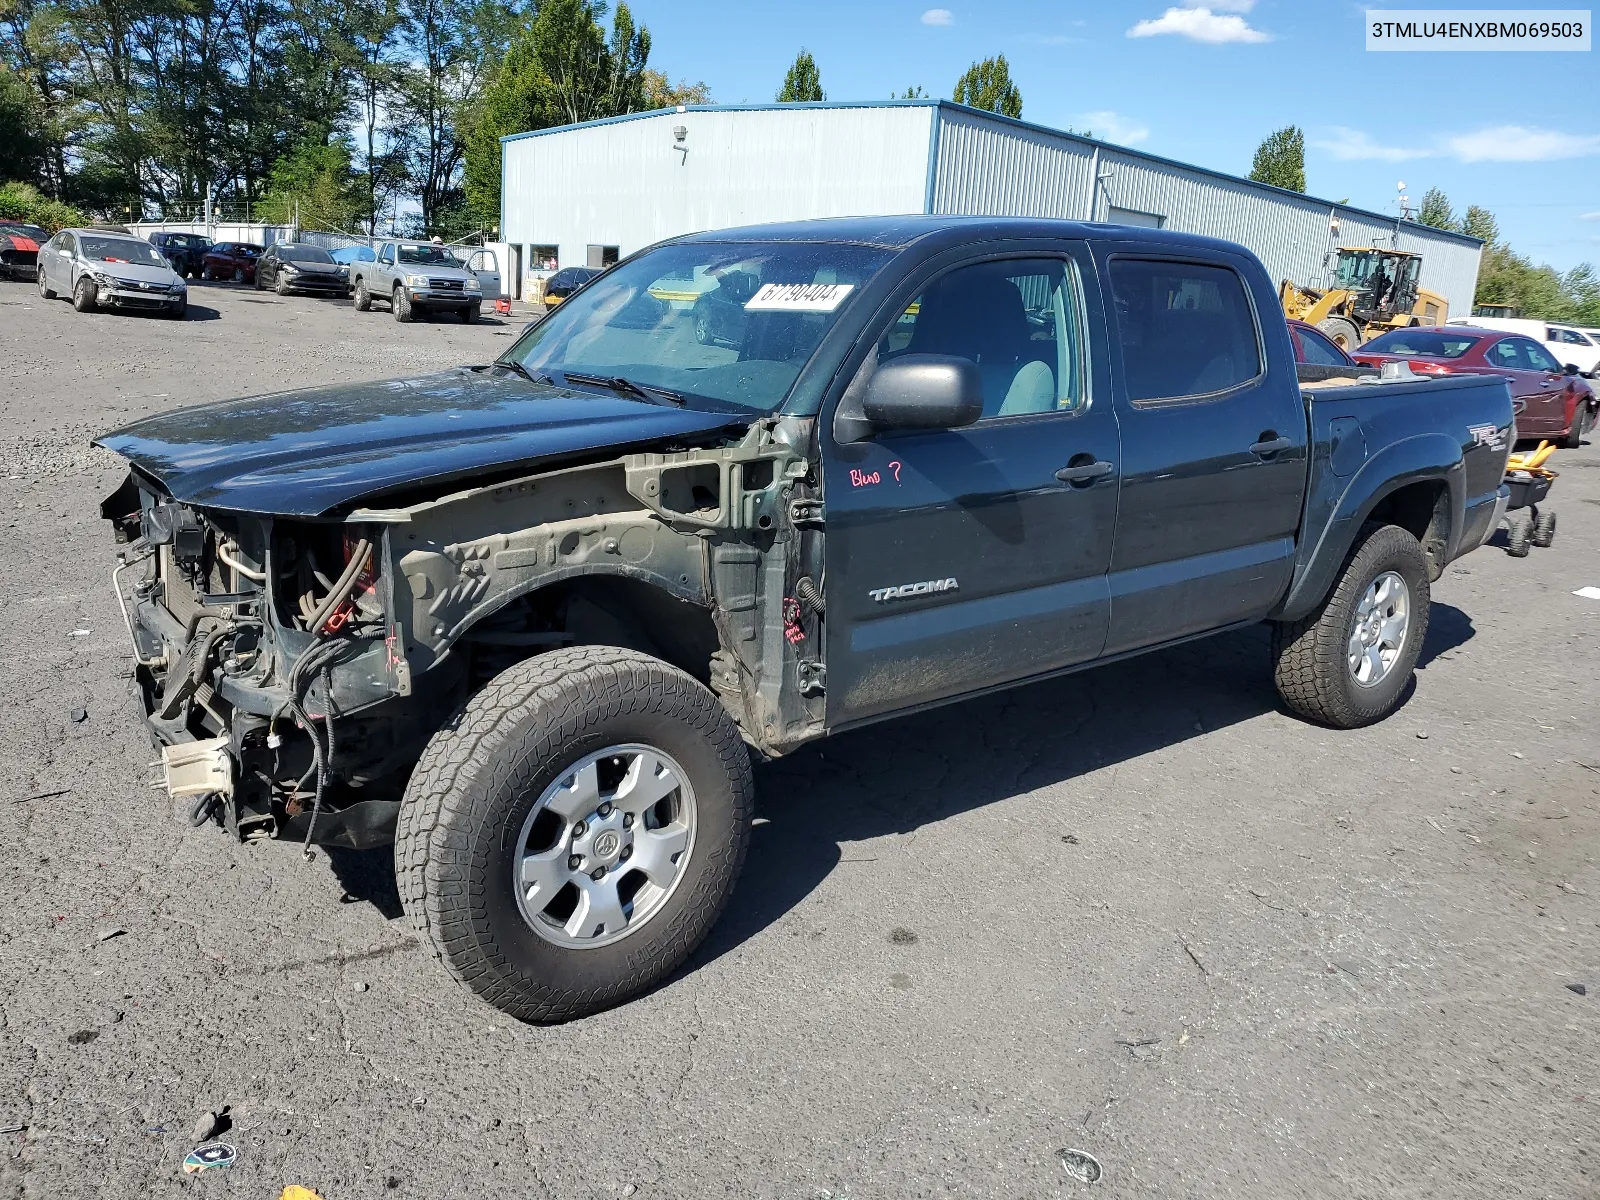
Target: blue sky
{"type": "Point", "coordinates": [1516, 132]}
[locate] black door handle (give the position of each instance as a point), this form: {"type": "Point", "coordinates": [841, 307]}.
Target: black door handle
{"type": "Point", "coordinates": [1270, 446]}
{"type": "Point", "coordinates": [1084, 472]}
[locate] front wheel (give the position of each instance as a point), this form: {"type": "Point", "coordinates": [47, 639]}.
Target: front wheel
{"type": "Point", "coordinates": [238, 275]}
{"type": "Point", "coordinates": [400, 304]}
{"type": "Point", "coordinates": [83, 295]}
{"type": "Point", "coordinates": [283, 285]}
{"type": "Point", "coordinates": [1348, 661]}
{"type": "Point", "coordinates": [571, 835]}
{"type": "Point", "coordinates": [470, 314]}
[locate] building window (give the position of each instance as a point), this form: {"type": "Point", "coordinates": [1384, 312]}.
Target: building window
{"type": "Point", "coordinates": [544, 258]}
{"type": "Point", "coordinates": [1132, 216]}
{"type": "Point", "coordinates": [601, 257]}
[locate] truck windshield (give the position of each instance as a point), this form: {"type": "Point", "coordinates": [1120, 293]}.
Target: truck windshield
{"type": "Point", "coordinates": [723, 323]}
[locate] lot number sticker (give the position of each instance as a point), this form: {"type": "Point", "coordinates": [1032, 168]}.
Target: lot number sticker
{"type": "Point", "coordinates": [799, 297]}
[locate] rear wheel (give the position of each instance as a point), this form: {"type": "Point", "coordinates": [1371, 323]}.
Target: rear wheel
{"type": "Point", "coordinates": [1574, 438]}
{"type": "Point", "coordinates": [400, 304]}
{"type": "Point", "coordinates": [1341, 332]}
{"type": "Point", "coordinates": [574, 832]}
{"type": "Point", "coordinates": [702, 328]}
{"type": "Point", "coordinates": [1347, 662]}
{"type": "Point", "coordinates": [363, 300]}
{"type": "Point", "coordinates": [83, 295]}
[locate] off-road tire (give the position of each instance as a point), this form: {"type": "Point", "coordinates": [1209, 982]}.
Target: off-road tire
{"type": "Point", "coordinates": [363, 298]}
{"type": "Point", "coordinates": [470, 314]}
{"type": "Point", "coordinates": [481, 774]}
{"type": "Point", "coordinates": [1544, 529]}
{"type": "Point", "coordinates": [1518, 532]}
{"type": "Point", "coordinates": [1341, 332]}
{"type": "Point", "coordinates": [400, 304]}
{"type": "Point", "coordinates": [83, 293]}
{"type": "Point", "coordinates": [46, 292]}
{"type": "Point", "coordinates": [1309, 655]}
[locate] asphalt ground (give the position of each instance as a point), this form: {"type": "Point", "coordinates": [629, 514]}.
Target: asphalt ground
{"type": "Point", "coordinates": [1140, 912]}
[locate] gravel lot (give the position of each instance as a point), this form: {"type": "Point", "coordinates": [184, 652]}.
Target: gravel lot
{"type": "Point", "coordinates": [1142, 911]}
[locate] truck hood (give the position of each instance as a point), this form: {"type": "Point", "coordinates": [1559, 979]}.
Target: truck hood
{"type": "Point", "coordinates": [312, 452]}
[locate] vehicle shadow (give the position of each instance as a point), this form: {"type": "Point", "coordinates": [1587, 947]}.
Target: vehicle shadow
{"type": "Point", "coordinates": [896, 777]}
{"type": "Point", "coordinates": [367, 875]}
{"type": "Point", "coordinates": [202, 312]}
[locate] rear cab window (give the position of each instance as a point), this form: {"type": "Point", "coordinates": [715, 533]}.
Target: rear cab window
{"type": "Point", "coordinates": [1187, 330]}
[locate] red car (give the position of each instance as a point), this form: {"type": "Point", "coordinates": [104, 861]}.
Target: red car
{"type": "Point", "coordinates": [1555, 403]}
{"type": "Point", "coordinates": [230, 260]}
{"type": "Point", "coordinates": [19, 249]}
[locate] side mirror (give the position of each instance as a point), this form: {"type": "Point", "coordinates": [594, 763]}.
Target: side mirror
{"type": "Point", "coordinates": [1570, 369]}
{"type": "Point", "coordinates": [924, 391]}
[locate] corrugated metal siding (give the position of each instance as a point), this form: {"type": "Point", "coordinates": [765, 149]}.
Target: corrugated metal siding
{"type": "Point", "coordinates": [994, 167]}
{"type": "Point", "coordinates": [626, 184]}
{"type": "Point", "coordinates": [993, 170]}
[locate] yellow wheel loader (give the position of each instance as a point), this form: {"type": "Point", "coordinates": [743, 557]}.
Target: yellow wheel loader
{"type": "Point", "coordinates": [1374, 290]}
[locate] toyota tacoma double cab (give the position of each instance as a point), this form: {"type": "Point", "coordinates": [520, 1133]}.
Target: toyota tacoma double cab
{"type": "Point", "coordinates": [529, 620]}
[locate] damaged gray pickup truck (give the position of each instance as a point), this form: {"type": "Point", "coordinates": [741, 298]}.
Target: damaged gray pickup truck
{"type": "Point", "coordinates": [745, 489]}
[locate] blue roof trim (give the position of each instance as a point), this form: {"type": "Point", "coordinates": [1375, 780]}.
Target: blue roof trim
{"type": "Point", "coordinates": [659, 112]}
{"type": "Point", "coordinates": [1387, 219]}
{"type": "Point", "coordinates": [943, 106]}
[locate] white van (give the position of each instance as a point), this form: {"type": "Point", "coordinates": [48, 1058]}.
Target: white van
{"type": "Point", "coordinates": [1567, 342]}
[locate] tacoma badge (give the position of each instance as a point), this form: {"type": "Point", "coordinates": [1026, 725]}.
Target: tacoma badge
{"type": "Point", "coordinates": [907, 590]}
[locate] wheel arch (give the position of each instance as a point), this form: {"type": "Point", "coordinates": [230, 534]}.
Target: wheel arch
{"type": "Point", "coordinates": [1416, 483]}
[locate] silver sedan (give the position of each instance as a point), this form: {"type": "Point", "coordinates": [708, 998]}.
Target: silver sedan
{"type": "Point", "coordinates": [99, 269]}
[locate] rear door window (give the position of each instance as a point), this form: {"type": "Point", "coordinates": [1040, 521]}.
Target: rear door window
{"type": "Point", "coordinates": [1507, 355]}
{"type": "Point", "coordinates": [1187, 330]}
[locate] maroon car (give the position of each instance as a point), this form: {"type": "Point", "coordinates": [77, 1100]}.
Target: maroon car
{"type": "Point", "coordinates": [1555, 403]}
{"type": "Point", "coordinates": [230, 260]}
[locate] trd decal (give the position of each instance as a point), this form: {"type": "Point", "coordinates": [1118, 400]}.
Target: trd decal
{"type": "Point", "coordinates": [906, 591]}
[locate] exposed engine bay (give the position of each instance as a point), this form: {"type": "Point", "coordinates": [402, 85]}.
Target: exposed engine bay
{"type": "Point", "coordinates": [293, 669]}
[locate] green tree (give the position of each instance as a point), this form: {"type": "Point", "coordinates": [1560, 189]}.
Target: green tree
{"type": "Point", "coordinates": [22, 145]}
{"type": "Point", "coordinates": [1436, 210]}
{"type": "Point", "coordinates": [560, 69]}
{"type": "Point", "coordinates": [1480, 223]}
{"type": "Point", "coordinates": [803, 82]}
{"type": "Point", "coordinates": [911, 93]}
{"type": "Point", "coordinates": [988, 85]}
{"type": "Point", "coordinates": [23, 202]}
{"type": "Point", "coordinates": [661, 92]}
{"type": "Point", "coordinates": [1281, 160]}
{"type": "Point", "coordinates": [315, 184]}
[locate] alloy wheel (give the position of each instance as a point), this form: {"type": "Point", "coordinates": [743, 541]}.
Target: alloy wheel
{"type": "Point", "coordinates": [1378, 633]}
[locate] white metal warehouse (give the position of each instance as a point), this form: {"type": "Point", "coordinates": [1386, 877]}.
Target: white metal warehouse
{"type": "Point", "coordinates": [580, 195]}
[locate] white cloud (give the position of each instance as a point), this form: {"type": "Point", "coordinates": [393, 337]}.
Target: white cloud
{"type": "Point", "coordinates": [1241, 6]}
{"type": "Point", "coordinates": [1202, 25]}
{"type": "Point", "coordinates": [1501, 143]}
{"type": "Point", "coordinates": [1113, 127]}
{"type": "Point", "coordinates": [1351, 144]}
{"type": "Point", "coordinates": [1594, 216]}
{"type": "Point", "coordinates": [1517, 143]}
{"type": "Point", "coordinates": [938, 16]}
